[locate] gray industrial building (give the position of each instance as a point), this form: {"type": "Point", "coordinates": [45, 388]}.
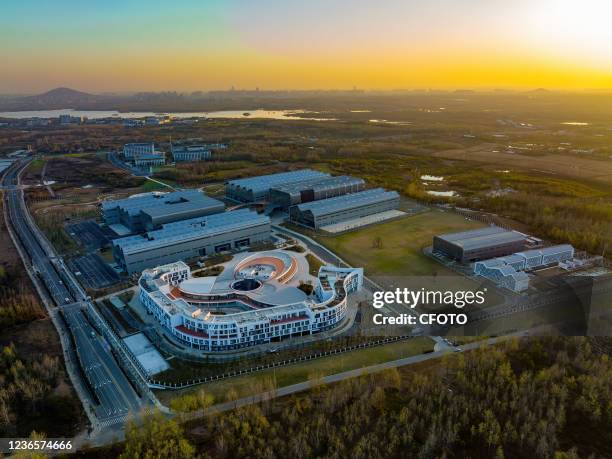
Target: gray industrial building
{"type": "Point", "coordinates": [192, 238]}
{"type": "Point", "coordinates": [149, 211]}
{"type": "Point", "coordinates": [258, 188]}
{"type": "Point", "coordinates": [315, 189]}
{"type": "Point", "coordinates": [343, 208]}
{"type": "Point", "coordinates": [132, 150]}
{"type": "Point", "coordinates": [157, 158]}
{"type": "Point", "coordinates": [479, 244]}
{"type": "Point", "coordinates": [190, 152]}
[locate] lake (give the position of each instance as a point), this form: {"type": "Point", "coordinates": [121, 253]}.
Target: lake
{"type": "Point", "coordinates": [232, 114]}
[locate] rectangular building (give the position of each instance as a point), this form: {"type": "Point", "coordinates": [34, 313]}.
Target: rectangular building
{"type": "Point", "coordinates": [190, 153]}
{"type": "Point", "coordinates": [480, 244]}
{"type": "Point", "coordinates": [151, 210]}
{"type": "Point", "coordinates": [258, 188]}
{"type": "Point", "coordinates": [539, 258]}
{"type": "Point", "coordinates": [342, 208]}
{"type": "Point", "coordinates": [153, 159]}
{"type": "Point", "coordinates": [291, 194]}
{"type": "Point", "coordinates": [192, 238]}
{"type": "Point", "coordinates": [131, 150]}
{"type": "Point", "coordinates": [509, 272]}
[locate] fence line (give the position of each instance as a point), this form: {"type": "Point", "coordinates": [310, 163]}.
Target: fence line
{"type": "Point", "coordinates": [267, 366]}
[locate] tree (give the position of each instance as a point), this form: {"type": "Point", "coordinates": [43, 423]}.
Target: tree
{"type": "Point", "coordinates": [156, 438]}
{"type": "Point", "coordinates": [377, 243]}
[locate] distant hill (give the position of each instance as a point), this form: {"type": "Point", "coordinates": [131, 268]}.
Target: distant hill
{"type": "Point", "coordinates": [61, 98]}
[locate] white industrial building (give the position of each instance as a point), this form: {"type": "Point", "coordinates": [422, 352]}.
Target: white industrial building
{"type": "Point", "coordinates": [190, 153]}
{"type": "Point", "coordinates": [509, 271]}
{"type": "Point", "coordinates": [148, 211]}
{"type": "Point", "coordinates": [254, 189]}
{"type": "Point", "coordinates": [191, 238]}
{"type": "Point", "coordinates": [131, 150]}
{"type": "Point", "coordinates": [343, 208]}
{"type": "Point", "coordinates": [255, 300]}
{"type": "Point", "coordinates": [157, 158]}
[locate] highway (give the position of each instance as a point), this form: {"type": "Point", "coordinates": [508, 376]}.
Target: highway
{"type": "Point", "coordinates": [40, 261]}
{"type": "Point", "coordinates": [110, 392]}
{"type": "Point", "coordinates": [114, 393]}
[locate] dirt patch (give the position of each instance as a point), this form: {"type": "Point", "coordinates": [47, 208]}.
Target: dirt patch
{"type": "Point", "coordinates": [91, 170]}
{"type": "Point", "coordinates": [555, 164]}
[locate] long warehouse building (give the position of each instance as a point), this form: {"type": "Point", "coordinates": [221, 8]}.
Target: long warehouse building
{"type": "Point", "coordinates": [258, 188]}
{"type": "Point", "coordinates": [192, 238]}
{"type": "Point", "coordinates": [291, 194]}
{"type": "Point", "coordinates": [479, 244]}
{"type": "Point", "coordinates": [325, 212]}
{"type": "Point", "coordinates": [150, 211]}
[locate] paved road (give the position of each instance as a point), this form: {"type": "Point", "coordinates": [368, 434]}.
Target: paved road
{"type": "Point", "coordinates": [112, 390]}
{"type": "Point", "coordinates": [38, 258]}
{"type": "Point", "coordinates": [112, 398]}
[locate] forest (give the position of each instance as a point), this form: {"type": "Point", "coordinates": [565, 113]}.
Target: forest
{"type": "Point", "coordinates": [529, 397]}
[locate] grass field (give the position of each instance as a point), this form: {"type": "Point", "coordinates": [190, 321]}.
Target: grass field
{"type": "Point", "coordinates": [392, 253]}
{"type": "Point", "coordinates": [293, 374]}
{"type": "Point", "coordinates": [402, 241]}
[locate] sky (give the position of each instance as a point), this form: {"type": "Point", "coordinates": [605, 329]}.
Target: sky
{"type": "Point", "coordinates": [154, 45]}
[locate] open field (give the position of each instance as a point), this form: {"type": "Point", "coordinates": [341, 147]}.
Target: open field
{"type": "Point", "coordinates": [402, 244]}
{"type": "Point", "coordinates": [392, 253]}
{"type": "Point", "coordinates": [599, 170]}
{"type": "Point", "coordinates": [292, 374]}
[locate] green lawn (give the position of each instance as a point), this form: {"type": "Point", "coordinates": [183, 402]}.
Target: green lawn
{"type": "Point", "coordinates": [402, 240]}
{"type": "Point", "coordinates": [313, 264]}
{"type": "Point", "coordinates": [292, 374]}
{"type": "Point", "coordinates": [150, 185]}
{"type": "Point", "coordinates": [392, 253]}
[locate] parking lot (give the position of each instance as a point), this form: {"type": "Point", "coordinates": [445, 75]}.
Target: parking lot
{"type": "Point", "coordinates": [89, 235]}
{"type": "Point", "coordinates": [94, 272]}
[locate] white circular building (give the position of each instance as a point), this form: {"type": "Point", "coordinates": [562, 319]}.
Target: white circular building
{"type": "Point", "coordinates": [255, 300]}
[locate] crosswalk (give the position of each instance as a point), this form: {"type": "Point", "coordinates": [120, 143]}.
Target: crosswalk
{"type": "Point", "coordinates": [115, 420]}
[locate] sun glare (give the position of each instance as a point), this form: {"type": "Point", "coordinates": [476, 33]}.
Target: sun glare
{"type": "Point", "coordinates": [581, 28]}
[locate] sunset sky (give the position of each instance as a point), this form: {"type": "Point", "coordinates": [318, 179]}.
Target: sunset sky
{"type": "Point", "coordinates": [118, 45]}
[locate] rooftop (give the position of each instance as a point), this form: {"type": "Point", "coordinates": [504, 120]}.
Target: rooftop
{"type": "Point", "coordinates": [483, 237]}
{"type": "Point", "coordinates": [319, 184]}
{"type": "Point", "coordinates": [188, 148]}
{"type": "Point", "coordinates": [265, 182]}
{"type": "Point", "coordinates": [191, 229]}
{"type": "Point", "coordinates": [347, 201]}
{"type": "Point", "coordinates": [546, 251]}
{"type": "Point", "coordinates": [156, 204]}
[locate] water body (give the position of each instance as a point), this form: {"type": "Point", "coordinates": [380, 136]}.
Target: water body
{"type": "Point", "coordinates": [397, 123]}
{"type": "Point", "coordinates": [231, 114]}
{"type": "Point", "coordinates": [447, 194]}
{"type": "Point", "coordinates": [432, 178]}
